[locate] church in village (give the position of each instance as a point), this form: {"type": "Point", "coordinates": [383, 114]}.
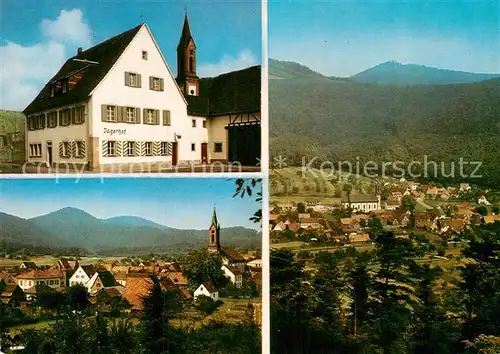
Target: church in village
{"type": "Point", "coordinates": [119, 104]}
{"type": "Point", "coordinates": [233, 263]}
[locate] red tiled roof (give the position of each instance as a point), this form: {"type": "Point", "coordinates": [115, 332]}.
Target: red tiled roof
{"type": "Point", "coordinates": [233, 255]}
{"type": "Point", "coordinates": [209, 286]}
{"type": "Point", "coordinates": [41, 274]}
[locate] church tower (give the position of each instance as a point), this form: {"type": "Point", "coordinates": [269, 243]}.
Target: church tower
{"type": "Point", "coordinates": [187, 79]}
{"type": "Point", "coordinates": [214, 235]}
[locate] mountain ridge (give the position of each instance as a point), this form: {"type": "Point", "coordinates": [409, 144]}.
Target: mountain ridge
{"type": "Point", "coordinates": [77, 228]}
{"type": "Point", "coordinates": [350, 121]}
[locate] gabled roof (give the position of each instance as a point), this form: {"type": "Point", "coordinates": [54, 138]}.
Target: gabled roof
{"type": "Point", "coordinates": [89, 270]}
{"type": "Point", "coordinates": [233, 270]}
{"type": "Point", "coordinates": [360, 198]}
{"type": "Point", "coordinates": [29, 265]}
{"type": "Point", "coordinates": [105, 54]}
{"type": "Point", "coordinates": [209, 286]}
{"type": "Point", "coordinates": [231, 93]}
{"type": "Point", "coordinates": [232, 254]}
{"type": "Point", "coordinates": [107, 278]}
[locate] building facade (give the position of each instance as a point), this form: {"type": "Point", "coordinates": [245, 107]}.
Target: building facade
{"type": "Point", "coordinates": [118, 104]}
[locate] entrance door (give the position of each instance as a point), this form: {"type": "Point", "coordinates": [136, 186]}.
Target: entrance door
{"type": "Point", "coordinates": [204, 153]}
{"type": "Point", "coordinates": [174, 153]}
{"type": "Point", "coordinates": [49, 154]}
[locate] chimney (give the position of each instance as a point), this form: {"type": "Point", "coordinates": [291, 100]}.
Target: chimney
{"type": "Point", "coordinates": [80, 50]}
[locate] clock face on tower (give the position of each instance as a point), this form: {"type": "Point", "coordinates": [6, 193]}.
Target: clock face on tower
{"type": "Point", "coordinates": [192, 90]}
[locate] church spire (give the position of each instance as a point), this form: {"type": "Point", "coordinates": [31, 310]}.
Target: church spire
{"type": "Point", "coordinates": [214, 218]}
{"type": "Point", "coordinates": [214, 234]}
{"type": "Point", "coordinates": [186, 61]}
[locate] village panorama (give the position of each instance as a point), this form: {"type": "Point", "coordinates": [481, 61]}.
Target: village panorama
{"type": "Point", "coordinates": [72, 282]}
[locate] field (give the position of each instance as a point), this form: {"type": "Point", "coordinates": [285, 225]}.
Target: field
{"type": "Point", "coordinates": [49, 261]}
{"type": "Point", "coordinates": [231, 311]}
{"type": "Point", "coordinates": [295, 183]}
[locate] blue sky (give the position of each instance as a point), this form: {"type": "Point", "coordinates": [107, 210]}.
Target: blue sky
{"type": "Point", "coordinates": [38, 36]}
{"type": "Point", "coordinates": [184, 203]}
{"type": "Point", "coordinates": [342, 38]}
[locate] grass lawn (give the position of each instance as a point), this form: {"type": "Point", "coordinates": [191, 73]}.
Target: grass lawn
{"type": "Point", "coordinates": [35, 326]}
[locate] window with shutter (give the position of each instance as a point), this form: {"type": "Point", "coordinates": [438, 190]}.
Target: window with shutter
{"type": "Point", "coordinates": [148, 148]}
{"type": "Point", "coordinates": [149, 116]}
{"type": "Point", "coordinates": [166, 117]}
{"type": "Point", "coordinates": [164, 148]}
{"type": "Point", "coordinates": [111, 148]}
{"type": "Point", "coordinates": [130, 115]}
{"type": "Point", "coordinates": [111, 114]}
{"type": "Point", "coordinates": [130, 148]}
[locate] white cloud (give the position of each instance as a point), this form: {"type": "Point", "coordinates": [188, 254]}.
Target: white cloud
{"type": "Point", "coordinates": [228, 63]}
{"type": "Point", "coordinates": [348, 56]}
{"type": "Point", "coordinates": [68, 27]}
{"type": "Point", "coordinates": [24, 70]}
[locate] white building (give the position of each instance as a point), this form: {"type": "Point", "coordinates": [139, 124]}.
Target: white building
{"type": "Point", "coordinates": [118, 105]}
{"type": "Point", "coordinates": [364, 203]}
{"type": "Point", "coordinates": [82, 275]}
{"type": "Point", "coordinates": [483, 201]}
{"type": "Point", "coordinates": [234, 274]}
{"type": "Point", "coordinates": [256, 263]}
{"type": "Point", "coordinates": [207, 289]}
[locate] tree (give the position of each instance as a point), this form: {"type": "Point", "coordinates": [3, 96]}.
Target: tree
{"type": "Point", "coordinates": [247, 187]}
{"type": "Point", "coordinates": [479, 285]}
{"type": "Point", "coordinates": [201, 266]}
{"type": "Point", "coordinates": [301, 207]}
{"type": "Point", "coordinates": [376, 227]}
{"type": "Point", "coordinates": [482, 210]}
{"type": "Point", "coordinates": [77, 296]}
{"type": "Point", "coordinates": [159, 307]}
{"type": "Point", "coordinates": [433, 332]}
{"type": "Point", "coordinates": [392, 292]}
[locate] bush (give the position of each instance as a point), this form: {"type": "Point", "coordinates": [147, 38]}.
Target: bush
{"type": "Point", "coordinates": [206, 304]}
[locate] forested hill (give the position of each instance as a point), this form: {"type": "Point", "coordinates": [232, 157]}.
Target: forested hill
{"type": "Point", "coordinates": [342, 120]}
{"type": "Point", "coordinates": [394, 73]}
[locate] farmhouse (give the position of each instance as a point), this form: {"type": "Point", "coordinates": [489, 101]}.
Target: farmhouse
{"type": "Point", "coordinates": [53, 278]}
{"type": "Point", "coordinates": [207, 289]}
{"type": "Point", "coordinates": [118, 104]}
{"type": "Point", "coordinates": [234, 274]}
{"type": "Point", "coordinates": [82, 275]}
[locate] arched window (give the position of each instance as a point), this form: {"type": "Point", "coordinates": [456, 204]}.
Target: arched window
{"type": "Point", "coordinates": [213, 237]}
{"type": "Point", "coordinates": [191, 63]}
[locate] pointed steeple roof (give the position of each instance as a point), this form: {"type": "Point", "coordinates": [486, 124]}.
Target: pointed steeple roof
{"type": "Point", "coordinates": [186, 34]}
{"type": "Point", "coordinates": [214, 218]}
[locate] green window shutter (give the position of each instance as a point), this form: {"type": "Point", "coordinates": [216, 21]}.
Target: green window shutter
{"type": "Point", "coordinates": [73, 115]}
{"type": "Point", "coordinates": [157, 117]}
{"type": "Point", "coordinates": [104, 118]}
{"type": "Point", "coordinates": [161, 85]}
{"type": "Point", "coordinates": [119, 114]}
{"type": "Point", "coordinates": [84, 112]}
{"type": "Point", "coordinates": [144, 115]}
{"type": "Point", "coordinates": [139, 80]}
{"type": "Point", "coordinates": [126, 79]}
{"type": "Point", "coordinates": [137, 116]}
{"type": "Point", "coordinates": [164, 122]}
{"type": "Point", "coordinates": [150, 82]}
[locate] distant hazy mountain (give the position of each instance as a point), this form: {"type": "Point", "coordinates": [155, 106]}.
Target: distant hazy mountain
{"type": "Point", "coordinates": [21, 232]}
{"type": "Point", "coordinates": [77, 228]}
{"type": "Point", "coordinates": [289, 69]}
{"type": "Point", "coordinates": [134, 221]}
{"type": "Point", "coordinates": [394, 73]}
